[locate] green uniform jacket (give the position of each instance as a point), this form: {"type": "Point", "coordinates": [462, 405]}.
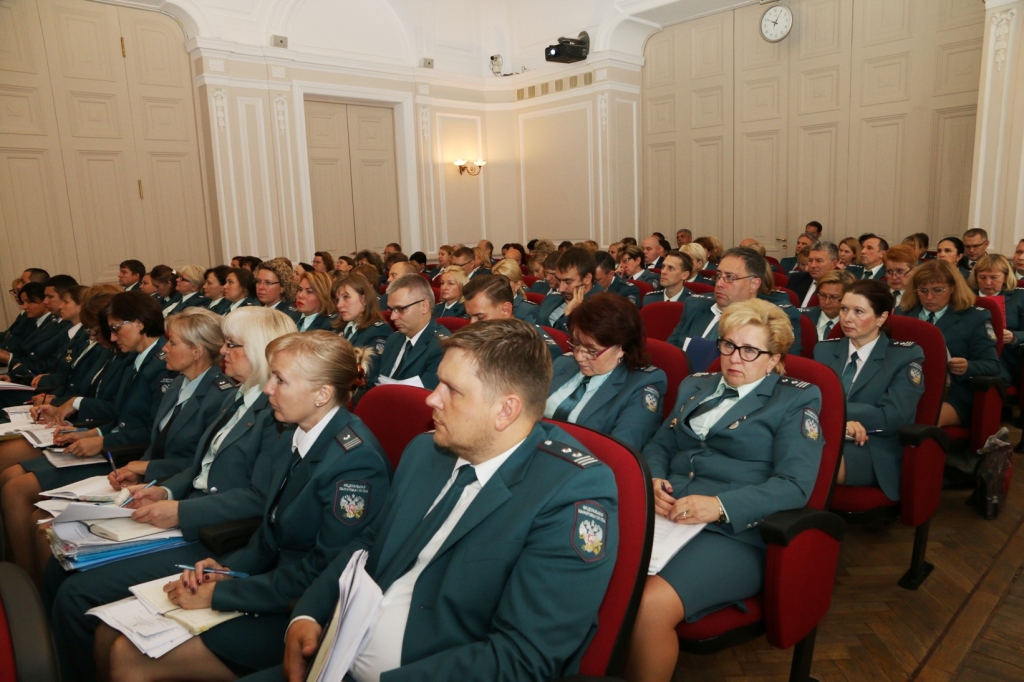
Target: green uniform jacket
{"type": "Point", "coordinates": [421, 360]}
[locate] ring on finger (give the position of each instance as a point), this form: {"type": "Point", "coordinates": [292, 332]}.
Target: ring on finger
{"type": "Point", "coordinates": [684, 513]}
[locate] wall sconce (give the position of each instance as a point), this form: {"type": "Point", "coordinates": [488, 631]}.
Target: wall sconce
{"type": "Point", "coordinates": [469, 166]}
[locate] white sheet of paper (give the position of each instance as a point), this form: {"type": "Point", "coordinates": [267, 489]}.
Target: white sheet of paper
{"type": "Point", "coordinates": [9, 386]}
{"type": "Point", "coordinates": [132, 619]}
{"type": "Point", "coordinates": [92, 489]}
{"type": "Point", "coordinates": [59, 460]}
{"type": "Point", "coordinates": [82, 511]}
{"type": "Point", "coordinates": [669, 538]}
{"type": "Point", "coordinates": [385, 381]}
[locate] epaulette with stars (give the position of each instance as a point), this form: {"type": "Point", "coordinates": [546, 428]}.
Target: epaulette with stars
{"type": "Point", "coordinates": [796, 383]}
{"type": "Point", "coordinates": [569, 454]}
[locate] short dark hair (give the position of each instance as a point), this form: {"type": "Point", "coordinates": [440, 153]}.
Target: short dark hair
{"type": "Point", "coordinates": [664, 244]}
{"type": "Point", "coordinates": [684, 257]}
{"type": "Point", "coordinates": [955, 241]}
{"type": "Point", "coordinates": [245, 280]}
{"type": "Point", "coordinates": [495, 288]}
{"type": "Point", "coordinates": [37, 274]}
{"type": "Point", "coordinates": [659, 235]}
{"type": "Point", "coordinates": [61, 283]}
{"type": "Point", "coordinates": [976, 232]}
{"type": "Point", "coordinates": [612, 320]}
{"type": "Point", "coordinates": [520, 248]}
{"type": "Point", "coordinates": [510, 355]}
{"type": "Point", "coordinates": [876, 292]}
{"type": "Point", "coordinates": [579, 258]}
{"type": "Point", "coordinates": [252, 261]}
{"type": "Point", "coordinates": [753, 262]}
{"type": "Point", "coordinates": [551, 260]}
{"type": "Point", "coordinates": [33, 291]}
{"type": "Point", "coordinates": [816, 225]}
{"type": "Point", "coordinates": [604, 260]}
{"type": "Point", "coordinates": [133, 266]}
{"type": "Point", "coordinates": [882, 244]}
{"type": "Point", "coordinates": [628, 240]}
{"type": "Point", "coordinates": [395, 245]}
{"type": "Point", "coordinates": [463, 252]}
{"type": "Point", "coordinates": [135, 306]}
{"type": "Point", "coordinates": [419, 257]}
{"type": "Point", "coordinates": [220, 272]}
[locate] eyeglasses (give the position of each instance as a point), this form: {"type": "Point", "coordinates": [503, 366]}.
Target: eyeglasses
{"type": "Point", "coordinates": [115, 328]}
{"type": "Point", "coordinates": [266, 283]}
{"type": "Point", "coordinates": [747, 353]}
{"type": "Point", "coordinates": [586, 352]}
{"type": "Point", "coordinates": [231, 345]}
{"type": "Point", "coordinates": [829, 297]}
{"type": "Point", "coordinates": [400, 309]}
{"type": "Point", "coordinates": [462, 265]}
{"type": "Point", "coordinates": [937, 291]}
{"type": "Point", "coordinates": [897, 273]}
{"type": "Point", "coordinates": [729, 277]}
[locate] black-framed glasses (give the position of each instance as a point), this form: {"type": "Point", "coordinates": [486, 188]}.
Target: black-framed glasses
{"type": "Point", "coordinates": [265, 282]}
{"type": "Point", "coordinates": [400, 309]}
{"type": "Point", "coordinates": [937, 291]}
{"type": "Point", "coordinates": [729, 277]}
{"type": "Point", "coordinates": [747, 353]}
{"type": "Point", "coordinates": [897, 273]}
{"type": "Point", "coordinates": [586, 352]}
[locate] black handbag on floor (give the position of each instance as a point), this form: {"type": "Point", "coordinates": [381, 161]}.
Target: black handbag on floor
{"type": "Point", "coordinates": [992, 475]}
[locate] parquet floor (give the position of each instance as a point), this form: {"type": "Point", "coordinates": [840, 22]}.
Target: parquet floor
{"type": "Point", "coordinates": [965, 623]}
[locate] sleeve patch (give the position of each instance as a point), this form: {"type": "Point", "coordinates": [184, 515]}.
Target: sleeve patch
{"type": "Point", "coordinates": [990, 331]}
{"type": "Point", "coordinates": [652, 398]}
{"type": "Point", "coordinates": [590, 530]}
{"type": "Point", "coordinates": [351, 498]}
{"type": "Point", "coordinates": [348, 439]}
{"type": "Point", "coordinates": [701, 374]}
{"type": "Point", "coordinates": [378, 345]}
{"type": "Point", "coordinates": [165, 383]}
{"type": "Point", "coordinates": [809, 426]}
{"type": "Point", "coordinates": [581, 459]}
{"type": "Point", "coordinates": [915, 373]}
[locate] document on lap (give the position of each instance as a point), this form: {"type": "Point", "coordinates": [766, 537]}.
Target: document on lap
{"type": "Point", "coordinates": [93, 489]}
{"type": "Point", "coordinates": [669, 538]}
{"type": "Point", "coordinates": [359, 597]}
{"type": "Point", "coordinates": [59, 460]}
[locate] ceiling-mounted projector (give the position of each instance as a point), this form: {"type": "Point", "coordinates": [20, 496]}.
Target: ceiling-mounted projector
{"type": "Point", "coordinates": [569, 50]}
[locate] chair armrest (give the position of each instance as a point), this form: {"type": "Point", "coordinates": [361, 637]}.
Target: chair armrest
{"type": "Point", "coordinates": [222, 538]}
{"type": "Point", "coordinates": [782, 527]}
{"type": "Point", "coordinates": [980, 384]}
{"type": "Point", "coordinates": [917, 434]}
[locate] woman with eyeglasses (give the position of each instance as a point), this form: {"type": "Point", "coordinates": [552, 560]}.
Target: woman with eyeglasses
{"type": "Point", "coordinates": [276, 286]}
{"type": "Point", "coordinates": [993, 276]}
{"type": "Point", "coordinates": [607, 382]}
{"type": "Point", "coordinates": [937, 293]}
{"type": "Point", "coordinates": [330, 479]}
{"type": "Point", "coordinates": [739, 445]}
{"type": "Point", "coordinates": [314, 303]}
{"type": "Point", "coordinates": [883, 380]}
{"type": "Point", "coordinates": [189, 285]}
{"type": "Point", "coordinates": [899, 261]}
{"type": "Point", "coordinates": [452, 279]}
{"type": "Point", "coordinates": [951, 250]}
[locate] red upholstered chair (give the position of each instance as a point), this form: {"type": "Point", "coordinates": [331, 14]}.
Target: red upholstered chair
{"type": "Point", "coordinates": [644, 287]}
{"type": "Point", "coordinates": [803, 551]}
{"type": "Point", "coordinates": [709, 274]}
{"type": "Point", "coordinates": [452, 324]}
{"type": "Point", "coordinates": [989, 392]}
{"type": "Point", "coordinates": [529, 281]}
{"type": "Point", "coordinates": [387, 318]}
{"type": "Point", "coordinates": [560, 337]}
{"type": "Point", "coordinates": [661, 318]}
{"type": "Point", "coordinates": [26, 648]}
{"type": "Point", "coordinates": [426, 275]}
{"type": "Point", "coordinates": [781, 280]}
{"type": "Point", "coordinates": [772, 260]}
{"type": "Point", "coordinates": [924, 456]}
{"type": "Point", "coordinates": [808, 337]}
{"type": "Point", "coordinates": [534, 297]}
{"type": "Point", "coordinates": [813, 302]}
{"type": "Point", "coordinates": [793, 298]}
{"type": "Point", "coordinates": [378, 408]}
{"type": "Point", "coordinates": [437, 295]}
{"type": "Point", "coordinates": [606, 653]}
{"type": "Point", "coordinates": [1020, 283]}
{"type": "Point", "coordinates": [673, 362]}
{"type": "Point", "coordinates": [700, 287]}
{"type": "Point", "coordinates": [382, 289]}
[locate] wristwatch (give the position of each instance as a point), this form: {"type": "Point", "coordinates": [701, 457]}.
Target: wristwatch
{"type": "Point", "coordinates": [721, 513]}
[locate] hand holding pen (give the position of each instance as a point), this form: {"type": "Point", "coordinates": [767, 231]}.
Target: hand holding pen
{"type": "Point", "coordinates": [206, 571]}
{"type": "Point", "coordinates": [137, 493]}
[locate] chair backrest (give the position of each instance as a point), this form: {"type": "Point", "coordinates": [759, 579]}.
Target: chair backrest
{"type": "Point", "coordinates": [781, 280]}
{"type": "Point", "coordinates": [661, 318]}
{"type": "Point", "coordinates": [997, 307]}
{"type": "Point", "coordinates": [644, 287]}
{"type": "Point", "coordinates": [606, 653]}
{"type": "Point", "coordinates": [656, 271]}
{"type": "Point", "coordinates": [26, 646]}
{"type": "Point", "coordinates": [832, 419]}
{"type": "Point", "coordinates": [808, 337]}
{"type": "Point", "coordinates": [673, 362]}
{"type": "Point", "coordinates": [452, 324]}
{"type": "Point", "coordinates": [426, 275]}
{"type": "Point", "coordinates": [559, 337]}
{"type": "Point", "coordinates": [813, 301]}
{"type": "Point", "coordinates": [534, 297]}
{"type": "Point", "coordinates": [378, 410]}
{"type": "Point", "coordinates": [931, 341]}
{"type": "Point", "coordinates": [387, 318]}
{"type": "Point", "coordinates": [700, 287]}
{"type": "Point", "coordinates": [529, 280]}
{"type": "Point", "coordinates": [708, 273]}
{"type": "Point", "coordinates": [437, 295]}
{"type": "Point", "coordinates": [793, 298]}
{"type": "Point", "coordinates": [772, 259]}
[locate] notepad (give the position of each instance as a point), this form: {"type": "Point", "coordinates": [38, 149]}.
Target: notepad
{"type": "Point", "coordinates": [123, 529]}
{"type": "Point", "coordinates": [669, 538]}
{"type": "Point", "coordinates": [60, 460]}
{"type": "Point", "coordinates": [92, 489]}
{"type": "Point", "coordinates": [196, 621]}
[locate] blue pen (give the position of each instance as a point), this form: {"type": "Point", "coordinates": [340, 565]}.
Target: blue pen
{"type": "Point", "coordinates": [217, 571]}
{"type": "Point", "coordinates": [132, 498]}
{"type": "Point", "coordinates": [73, 430]}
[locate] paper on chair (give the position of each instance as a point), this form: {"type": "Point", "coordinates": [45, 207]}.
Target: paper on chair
{"type": "Point", "coordinates": [359, 597]}
{"type": "Point", "coordinates": [669, 538]}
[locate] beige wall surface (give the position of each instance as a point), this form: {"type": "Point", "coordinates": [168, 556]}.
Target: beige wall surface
{"type": "Point", "coordinates": [863, 119]}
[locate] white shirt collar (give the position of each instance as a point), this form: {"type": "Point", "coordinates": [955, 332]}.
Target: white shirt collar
{"type": "Point", "coordinates": [143, 355]}
{"type": "Point", "coordinates": [485, 470]}
{"type": "Point", "coordinates": [303, 440]}
{"type": "Point", "coordinates": [864, 352]}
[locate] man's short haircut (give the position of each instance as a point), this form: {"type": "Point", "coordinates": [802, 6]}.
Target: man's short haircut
{"type": "Point", "coordinates": [604, 260]}
{"type": "Point", "coordinates": [810, 235]}
{"type": "Point", "coordinates": [684, 230]}
{"type": "Point", "coordinates": [580, 259]}
{"type": "Point", "coordinates": [659, 236]}
{"type": "Point", "coordinates": [404, 268]}
{"type": "Point", "coordinates": [38, 274]}
{"type": "Point", "coordinates": [414, 283]}
{"type": "Point", "coordinates": [551, 261]}
{"type": "Point", "coordinates": [844, 277]}
{"type": "Point", "coordinates": [395, 257]}
{"type": "Point", "coordinates": [487, 245]}
{"type": "Point", "coordinates": [464, 252]}
{"type": "Point", "coordinates": [882, 244]}
{"type": "Point", "coordinates": [816, 225]}
{"type": "Point", "coordinates": [134, 266]}
{"type": "Point", "coordinates": [685, 258]}
{"type": "Point", "coordinates": [976, 232]}
{"type": "Point", "coordinates": [628, 240]}
{"type": "Point", "coordinates": [495, 288]}
{"type": "Point", "coordinates": [753, 262]}
{"type": "Point", "coordinates": [822, 245]}
{"type": "Point", "coordinates": [510, 357]}
{"type": "Point", "coordinates": [61, 283]}
{"type": "Point", "coordinates": [394, 245]}
{"type": "Point", "coordinates": [419, 257]}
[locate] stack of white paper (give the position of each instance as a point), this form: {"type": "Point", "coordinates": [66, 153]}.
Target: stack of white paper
{"type": "Point", "coordinates": [59, 460]}
{"type": "Point", "coordinates": [150, 632]}
{"type": "Point", "coordinates": [359, 597]}
{"type": "Point", "coordinates": [196, 621]}
{"type": "Point", "coordinates": [669, 538]}
{"type": "Point", "coordinates": [94, 489]}
{"type": "Point", "coordinates": [19, 413]}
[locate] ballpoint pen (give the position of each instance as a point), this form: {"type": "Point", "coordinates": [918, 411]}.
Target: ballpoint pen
{"type": "Point", "coordinates": [217, 571]}
{"type": "Point", "coordinates": [132, 498]}
{"type": "Point", "coordinates": [79, 430]}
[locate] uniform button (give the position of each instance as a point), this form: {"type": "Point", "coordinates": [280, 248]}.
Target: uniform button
{"type": "Point", "coordinates": [691, 475]}
{"type": "Point", "coordinates": [213, 490]}
{"type": "Point", "coordinates": [703, 444]}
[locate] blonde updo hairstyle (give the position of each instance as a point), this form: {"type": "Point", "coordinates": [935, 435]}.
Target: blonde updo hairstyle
{"type": "Point", "coordinates": [255, 327]}
{"type": "Point", "coordinates": [768, 316]}
{"type": "Point", "coordinates": [198, 327]}
{"type": "Point", "coordinates": [325, 359]}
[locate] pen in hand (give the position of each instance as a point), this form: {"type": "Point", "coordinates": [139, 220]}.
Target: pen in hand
{"type": "Point", "coordinates": [217, 571]}
{"type": "Point", "coordinates": [110, 458]}
{"type": "Point", "coordinates": [132, 498]}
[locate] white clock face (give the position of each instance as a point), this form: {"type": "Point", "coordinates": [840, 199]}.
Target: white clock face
{"type": "Point", "coordinates": [776, 23]}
